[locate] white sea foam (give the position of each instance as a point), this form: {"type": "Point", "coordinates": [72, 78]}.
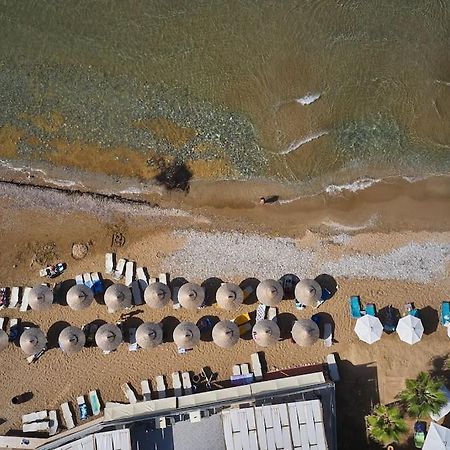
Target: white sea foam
{"type": "Point", "coordinates": [445, 83]}
{"type": "Point", "coordinates": [358, 185]}
{"type": "Point", "coordinates": [294, 145]}
{"type": "Point", "coordinates": [343, 227]}
{"type": "Point", "coordinates": [309, 98]}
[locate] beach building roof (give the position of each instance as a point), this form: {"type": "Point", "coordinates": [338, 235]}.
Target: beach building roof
{"type": "Point", "coordinates": [191, 296]}
{"type": "Point", "coordinates": [32, 341]}
{"type": "Point", "coordinates": [79, 297]}
{"type": "Point", "coordinates": [186, 335]}
{"type": "Point", "coordinates": [225, 334]}
{"type": "Point", "coordinates": [438, 438]}
{"type": "Point", "coordinates": [108, 337]}
{"type": "Point", "coordinates": [305, 332]}
{"type": "Point", "coordinates": [71, 339]}
{"type": "Point", "coordinates": [410, 329]}
{"type": "Point", "coordinates": [266, 333]}
{"type": "Point", "coordinates": [157, 295]}
{"type": "Point", "coordinates": [149, 334]}
{"type": "Point", "coordinates": [4, 339]}
{"type": "Point", "coordinates": [40, 297]}
{"type": "Point", "coordinates": [229, 296]}
{"type": "Point", "coordinates": [308, 292]}
{"type": "Point", "coordinates": [269, 292]}
{"type": "Point", "coordinates": [117, 297]}
{"type": "Point", "coordinates": [369, 329]}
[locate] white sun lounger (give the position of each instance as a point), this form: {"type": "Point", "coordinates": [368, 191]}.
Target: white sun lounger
{"type": "Point", "coordinates": [152, 280]}
{"type": "Point", "coordinates": [118, 273]}
{"type": "Point", "coordinates": [237, 369]}
{"type": "Point", "coordinates": [35, 416]}
{"type": "Point", "coordinates": [129, 393]}
{"type": "Point", "coordinates": [79, 279]}
{"type": "Point", "coordinates": [175, 302]}
{"type": "Point", "coordinates": [67, 415]}
{"type": "Point", "coordinates": [176, 382]}
{"type": "Point", "coordinates": [256, 366]}
{"type": "Point", "coordinates": [333, 368]}
{"type": "Point", "coordinates": [14, 300]}
{"type": "Point", "coordinates": [146, 390]}
{"type": "Point", "coordinates": [53, 422]}
{"type": "Point", "coordinates": [24, 305]}
{"type": "Point", "coordinates": [161, 386]}
{"type": "Point", "coordinates": [136, 293]}
{"type": "Point", "coordinates": [87, 280]}
{"type": "Point", "coordinates": [272, 314]}
{"type": "Point", "coordinates": [142, 278]}
{"type": "Point", "coordinates": [164, 278]}
{"type": "Point", "coordinates": [2, 323]}
{"type": "Point", "coordinates": [327, 335]}
{"type": "Point", "coordinates": [129, 272]}
{"type": "Point", "coordinates": [187, 385]}
{"type": "Point", "coordinates": [132, 346]}
{"type": "Point", "coordinates": [109, 263]}
{"type": "Point", "coordinates": [94, 402]}
{"type": "Point", "coordinates": [36, 426]}
{"type": "Point", "coordinates": [245, 369]}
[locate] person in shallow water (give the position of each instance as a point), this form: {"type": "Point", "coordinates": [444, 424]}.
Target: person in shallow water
{"type": "Point", "coordinates": [270, 199]}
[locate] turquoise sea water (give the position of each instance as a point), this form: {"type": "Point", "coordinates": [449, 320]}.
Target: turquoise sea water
{"type": "Point", "coordinates": [309, 92]}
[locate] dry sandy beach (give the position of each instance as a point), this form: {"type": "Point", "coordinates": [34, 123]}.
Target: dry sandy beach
{"type": "Point", "coordinates": [387, 261]}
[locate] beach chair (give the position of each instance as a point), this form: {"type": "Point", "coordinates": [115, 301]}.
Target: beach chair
{"type": "Point", "coordinates": [136, 292]}
{"type": "Point", "coordinates": [14, 301]}
{"type": "Point", "coordinates": [333, 368]}
{"type": "Point", "coordinates": [370, 309]}
{"type": "Point", "coordinates": [260, 312]}
{"type": "Point", "coordinates": [160, 386]}
{"type": "Point", "coordinates": [243, 322]}
{"type": "Point", "coordinates": [34, 427]}
{"type": "Point", "coordinates": [236, 369]}
{"type": "Point", "coordinates": [118, 273]}
{"type": "Point", "coordinates": [35, 416]}
{"type": "Point", "coordinates": [33, 358]}
{"type": "Point", "coordinates": [79, 279]}
{"type": "Point", "coordinates": [129, 393]}
{"type": "Point", "coordinates": [175, 302]}
{"type": "Point", "coordinates": [132, 346]}
{"type": "Point", "coordinates": [245, 370]}
{"type": "Point", "coordinates": [87, 280]}
{"type": "Point", "coordinates": [53, 423]}
{"type": "Point", "coordinates": [327, 334]}
{"type": "Point", "coordinates": [141, 278]}
{"type": "Point", "coordinates": [97, 283]}
{"type": "Point", "coordinates": [129, 272]}
{"type": "Point", "coordinates": [445, 313]}
{"type": "Point", "coordinates": [152, 280]}
{"type": "Point", "coordinates": [187, 384]}
{"type": "Point", "coordinates": [355, 307]}
{"type": "Point", "coordinates": [94, 402]}
{"type": "Point", "coordinates": [4, 298]}
{"type": "Point", "coordinates": [109, 263]}
{"type": "Point", "coordinates": [390, 320]}
{"type": "Point", "coordinates": [272, 314]}
{"type": "Point", "coordinates": [164, 278]}
{"type": "Point", "coordinates": [82, 408]}
{"type": "Point", "coordinates": [146, 390]}
{"type": "Point", "coordinates": [67, 415]}
{"type": "Point", "coordinates": [24, 305]}
{"type": "Point", "coordinates": [176, 383]}
{"type": "Point", "coordinates": [256, 366]}
{"type": "Point", "coordinates": [411, 310]}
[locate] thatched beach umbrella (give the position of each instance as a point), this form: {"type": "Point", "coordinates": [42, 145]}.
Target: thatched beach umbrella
{"type": "Point", "coordinates": [149, 334]}
{"type": "Point", "coordinates": [4, 339]}
{"type": "Point", "coordinates": [410, 329]}
{"type": "Point", "coordinates": [108, 337]}
{"type": "Point", "coordinates": [229, 296]}
{"type": "Point", "coordinates": [71, 339]}
{"type": "Point", "coordinates": [157, 295]}
{"type": "Point", "coordinates": [32, 341]}
{"type": "Point", "coordinates": [305, 332]}
{"type": "Point", "coordinates": [269, 292]}
{"type": "Point", "coordinates": [118, 297]}
{"type": "Point", "coordinates": [308, 292]}
{"type": "Point", "coordinates": [266, 332]}
{"type": "Point", "coordinates": [225, 334]}
{"type": "Point", "coordinates": [191, 296]}
{"type": "Point", "coordinates": [79, 297]}
{"type": "Point", "coordinates": [40, 298]}
{"type": "Point", "coordinates": [369, 329]}
{"type": "Point", "coordinates": [186, 335]}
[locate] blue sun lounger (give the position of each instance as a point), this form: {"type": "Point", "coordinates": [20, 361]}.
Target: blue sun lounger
{"type": "Point", "coordinates": [355, 307]}
{"type": "Point", "coordinates": [445, 313]}
{"type": "Point", "coordinates": [370, 309]}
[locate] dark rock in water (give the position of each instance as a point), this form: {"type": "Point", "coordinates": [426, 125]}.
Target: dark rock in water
{"type": "Point", "coordinates": [79, 250]}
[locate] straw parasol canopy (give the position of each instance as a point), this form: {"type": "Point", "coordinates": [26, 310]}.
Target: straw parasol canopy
{"type": "Point", "coordinates": [157, 295]}
{"type": "Point", "coordinates": [410, 329]}
{"type": "Point", "coordinates": [108, 337]}
{"type": "Point", "coordinates": [117, 297]}
{"type": "Point", "coordinates": [4, 339]}
{"type": "Point", "coordinates": [269, 292]}
{"type": "Point", "coordinates": [79, 297]}
{"type": "Point", "coordinates": [186, 335]}
{"type": "Point", "coordinates": [191, 296]}
{"type": "Point", "coordinates": [225, 334]}
{"type": "Point", "coordinates": [32, 341]}
{"type": "Point", "coordinates": [369, 328]}
{"type": "Point", "coordinates": [229, 296]}
{"type": "Point", "coordinates": [149, 334]}
{"type": "Point", "coordinates": [40, 297]}
{"type": "Point", "coordinates": [305, 332]}
{"type": "Point", "coordinates": [266, 332]}
{"type": "Point", "coordinates": [308, 292]}
{"type": "Point", "coordinates": [71, 339]}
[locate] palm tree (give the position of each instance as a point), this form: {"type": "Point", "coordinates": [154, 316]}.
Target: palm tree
{"type": "Point", "coordinates": [423, 395]}
{"type": "Point", "coordinates": [385, 425]}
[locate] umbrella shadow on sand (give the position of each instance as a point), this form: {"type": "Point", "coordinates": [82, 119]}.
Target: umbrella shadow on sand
{"type": "Point", "coordinates": [211, 285]}
{"type": "Point", "coordinates": [328, 284]}
{"type": "Point", "coordinates": [169, 324]}
{"type": "Point", "coordinates": [430, 319]}
{"type": "Point", "coordinates": [286, 322]}
{"type": "Point", "coordinates": [249, 285]}
{"type": "Point", "coordinates": [60, 291]}
{"type": "Point", "coordinates": [53, 333]}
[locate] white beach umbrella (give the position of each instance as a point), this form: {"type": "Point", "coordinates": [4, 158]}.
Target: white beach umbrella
{"type": "Point", "coordinates": [71, 339]}
{"type": "Point", "coordinates": [186, 335]}
{"type": "Point", "coordinates": [32, 341]}
{"type": "Point", "coordinates": [229, 296]}
{"type": "Point", "coordinates": [225, 334]}
{"type": "Point", "coordinates": [79, 297]}
{"type": "Point", "coordinates": [305, 332]}
{"type": "Point", "coordinates": [266, 333]}
{"type": "Point", "coordinates": [269, 292]}
{"type": "Point", "coordinates": [191, 296]}
{"type": "Point", "coordinates": [108, 337]}
{"type": "Point", "coordinates": [308, 292]}
{"type": "Point", "coordinates": [157, 295]}
{"type": "Point", "coordinates": [369, 328]}
{"type": "Point", "coordinates": [438, 438]}
{"type": "Point", "coordinates": [117, 297]}
{"type": "Point", "coordinates": [410, 329]}
{"type": "Point", "coordinates": [149, 334]}
{"type": "Point", "coordinates": [40, 297]}
{"type": "Point", "coordinates": [4, 339]}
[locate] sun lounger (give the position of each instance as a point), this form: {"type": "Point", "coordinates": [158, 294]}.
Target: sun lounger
{"type": "Point", "coordinates": [260, 312]}
{"type": "Point", "coordinates": [87, 280]}
{"type": "Point", "coordinates": [35, 416]}
{"type": "Point", "coordinates": [79, 279]}
{"type": "Point", "coordinates": [243, 322]}
{"type": "Point", "coordinates": [14, 329]}
{"type": "Point", "coordinates": [187, 384]}
{"type": "Point", "coordinates": [164, 278]}
{"type": "Point", "coordinates": [67, 415]}
{"type": "Point", "coordinates": [411, 310]}
{"type": "Point", "coordinates": [142, 278]}
{"type": "Point", "coordinates": [82, 407]}
{"type": "Point", "coordinates": [129, 272]}
{"type": "Point", "coordinates": [132, 346]}
{"type": "Point", "coordinates": [445, 313]}
{"type": "Point", "coordinates": [118, 273]}
{"type": "Point", "coordinates": [34, 427]}
{"type": "Point", "coordinates": [256, 366]}
{"type": "Point", "coordinates": [272, 314]}
{"type": "Point", "coordinates": [239, 380]}
{"type": "Point", "coordinates": [97, 283]}
{"type": "Point", "coordinates": [129, 393]}
{"type": "Point", "coordinates": [146, 390]}
{"type": "Point", "coordinates": [370, 309]}
{"type": "Point", "coordinates": [109, 263]}
{"type": "Point", "coordinates": [24, 305]}
{"type": "Point", "coordinates": [33, 358]}
{"type": "Point", "coordinates": [390, 320]}
{"type": "Point", "coordinates": [175, 302]}
{"type": "Point", "coordinates": [160, 386]}
{"type": "Point", "coordinates": [333, 368]}
{"type": "Point", "coordinates": [53, 423]}
{"type": "Point", "coordinates": [2, 323]}
{"type": "Point", "coordinates": [176, 382]}
{"type": "Point", "coordinates": [152, 280]}
{"type": "Point", "coordinates": [94, 402]}
{"type": "Point", "coordinates": [245, 369]}
{"type": "Point", "coordinates": [136, 293]}
{"type": "Point", "coordinates": [14, 300]}
{"type": "Point", "coordinates": [236, 369]}
{"type": "Point", "coordinates": [355, 307]}
{"type": "Point", "coordinates": [327, 334]}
